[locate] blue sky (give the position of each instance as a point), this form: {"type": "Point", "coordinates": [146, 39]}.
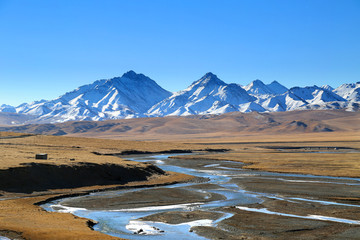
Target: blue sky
{"type": "Point", "coordinates": [50, 47]}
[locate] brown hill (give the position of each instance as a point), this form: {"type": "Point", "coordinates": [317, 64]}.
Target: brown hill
{"type": "Point", "coordinates": [206, 126]}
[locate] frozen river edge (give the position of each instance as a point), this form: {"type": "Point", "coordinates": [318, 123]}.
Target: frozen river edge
{"type": "Point", "coordinates": [227, 186]}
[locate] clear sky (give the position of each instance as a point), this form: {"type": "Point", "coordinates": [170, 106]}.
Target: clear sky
{"type": "Point", "coordinates": [50, 47]}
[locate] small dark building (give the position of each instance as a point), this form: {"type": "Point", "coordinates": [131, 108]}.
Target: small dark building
{"type": "Point", "coordinates": [43, 156]}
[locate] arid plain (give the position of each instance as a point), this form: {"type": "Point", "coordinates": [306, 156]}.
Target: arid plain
{"type": "Point", "coordinates": [89, 157]}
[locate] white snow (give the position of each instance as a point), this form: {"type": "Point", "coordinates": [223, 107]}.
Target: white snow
{"type": "Point", "coordinates": [311, 217]}
{"type": "Point", "coordinates": [135, 95]}
{"type": "Point", "coordinates": [350, 92]}
{"type": "Point", "coordinates": [146, 228]}
{"type": "Point", "coordinates": [165, 207]}
{"type": "Point", "coordinates": [208, 95]}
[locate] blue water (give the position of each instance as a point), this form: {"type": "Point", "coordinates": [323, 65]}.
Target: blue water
{"type": "Point", "coordinates": [218, 174]}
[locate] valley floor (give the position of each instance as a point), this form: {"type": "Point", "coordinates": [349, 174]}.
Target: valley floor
{"type": "Point", "coordinates": [331, 154]}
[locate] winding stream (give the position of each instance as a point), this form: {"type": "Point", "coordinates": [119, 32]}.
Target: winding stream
{"type": "Point", "coordinates": [219, 188]}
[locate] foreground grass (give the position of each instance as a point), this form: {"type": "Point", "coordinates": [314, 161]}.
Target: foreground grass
{"type": "Point", "coordinates": [20, 215]}
{"type": "Point", "coordinates": [319, 156]}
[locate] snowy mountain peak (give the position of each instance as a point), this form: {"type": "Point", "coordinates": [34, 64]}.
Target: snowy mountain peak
{"type": "Point", "coordinates": [7, 108]}
{"type": "Point", "coordinates": [136, 95]}
{"type": "Point", "coordinates": [327, 87]}
{"type": "Point", "coordinates": [257, 87]}
{"type": "Point", "coordinates": [134, 76]}
{"type": "Point", "coordinates": [208, 78]}
{"type": "Point", "coordinates": [349, 91]}
{"type": "Point", "coordinates": [257, 82]}
{"type": "Point", "coordinates": [316, 95]}
{"type": "Point", "coordinates": [208, 95]}
{"type": "Point", "coordinates": [277, 88]}
{"type": "Point", "coordinates": [209, 75]}
{"type": "Point", "coordinates": [128, 96]}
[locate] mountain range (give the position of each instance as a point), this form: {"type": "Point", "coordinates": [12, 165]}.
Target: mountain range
{"type": "Point", "coordinates": [135, 95]}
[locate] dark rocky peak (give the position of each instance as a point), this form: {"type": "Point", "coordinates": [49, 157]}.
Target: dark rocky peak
{"type": "Point", "coordinates": [209, 78]}
{"type": "Point", "coordinates": [134, 76]}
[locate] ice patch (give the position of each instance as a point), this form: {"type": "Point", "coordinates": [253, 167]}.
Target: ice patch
{"type": "Point", "coordinates": [146, 228]}
{"type": "Point", "coordinates": [65, 209]}
{"type": "Point", "coordinates": [325, 202]}
{"type": "Point", "coordinates": [311, 217]}
{"type": "Point", "coordinates": [212, 165]}
{"type": "Point", "coordinates": [187, 206]}
{"type": "Point", "coordinates": [139, 227]}
{"type": "Point", "coordinates": [159, 162]}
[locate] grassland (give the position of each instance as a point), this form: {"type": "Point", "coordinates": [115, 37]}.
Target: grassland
{"type": "Point", "coordinates": [20, 217]}
{"type": "Point", "coordinates": [318, 154]}
{"type": "Point", "coordinates": [333, 153]}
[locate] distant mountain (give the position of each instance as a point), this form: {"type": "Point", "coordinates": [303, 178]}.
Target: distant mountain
{"type": "Point", "coordinates": [11, 118]}
{"type": "Point", "coordinates": [135, 95]}
{"type": "Point", "coordinates": [208, 95]}
{"type": "Point", "coordinates": [7, 108]}
{"type": "Point", "coordinates": [287, 101]}
{"type": "Point", "coordinates": [277, 88]}
{"type": "Point", "coordinates": [275, 97]}
{"type": "Point", "coordinates": [316, 94]}
{"type": "Point", "coordinates": [122, 97]}
{"type": "Point", "coordinates": [258, 88]}
{"type": "Point", "coordinates": [327, 87]}
{"type": "Point", "coordinates": [350, 92]}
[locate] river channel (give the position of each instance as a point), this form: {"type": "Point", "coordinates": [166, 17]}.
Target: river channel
{"type": "Point", "coordinates": [221, 189]}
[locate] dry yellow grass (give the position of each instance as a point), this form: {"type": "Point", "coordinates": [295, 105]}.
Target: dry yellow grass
{"type": "Point", "coordinates": [21, 215]}
{"type": "Point", "coordinates": [60, 150]}
{"type": "Point", "coordinates": [345, 165]}
{"type": "Point", "coordinates": [254, 153]}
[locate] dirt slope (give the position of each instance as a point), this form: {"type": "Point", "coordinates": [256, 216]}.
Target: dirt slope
{"type": "Point", "coordinates": [208, 126]}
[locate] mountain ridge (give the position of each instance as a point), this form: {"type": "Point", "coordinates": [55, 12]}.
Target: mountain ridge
{"type": "Point", "coordinates": [135, 95]}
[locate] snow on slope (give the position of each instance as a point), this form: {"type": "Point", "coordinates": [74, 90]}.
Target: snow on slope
{"type": "Point", "coordinates": [258, 88]}
{"type": "Point", "coordinates": [350, 92]}
{"type": "Point", "coordinates": [122, 97]}
{"type": "Point", "coordinates": [275, 97]}
{"type": "Point", "coordinates": [316, 95]}
{"type": "Point", "coordinates": [327, 87]}
{"type": "Point", "coordinates": [208, 95]}
{"type": "Point", "coordinates": [277, 88]}
{"type": "Point", "coordinates": [7, 108]}
{"type": "Point", "coordinates": [282, 102]}
{"type": "Point", "coordinates": [135, 95]}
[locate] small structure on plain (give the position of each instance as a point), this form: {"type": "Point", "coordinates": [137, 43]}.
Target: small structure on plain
{"type": "Point", "coordinates": [43, 156]}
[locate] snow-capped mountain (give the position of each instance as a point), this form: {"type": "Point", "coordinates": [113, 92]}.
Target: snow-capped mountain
{"type": "Point", "coordinates": [136, 95]}
{"type": "Point", "coordinates": [208, 95]}
{"type": "Point", "coordinates": [122, 97]}
{"type": "Point", "coordinates": [7, 108]}
{"type": "Point", "coordinates": [277, 88]}
{"type": "Point", "coordinates": [328, 87]}
{"type": "Point", "coordinates": [287, 101]}
{"type": "Point", "coordinates": [258, 88]}
{"type": "Point", "coordinates": [350, 92]}
{"type": "Point", "coordinates": [316, 96]}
